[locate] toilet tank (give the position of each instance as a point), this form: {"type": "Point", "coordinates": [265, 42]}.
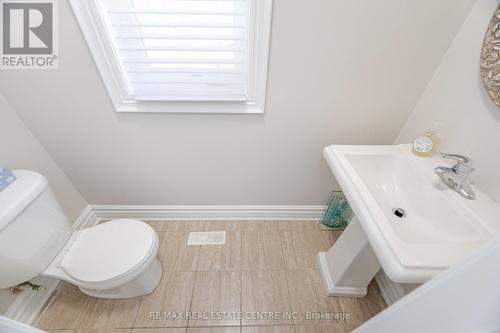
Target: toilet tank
{"type": "Point", "coordinates": [33, 228]}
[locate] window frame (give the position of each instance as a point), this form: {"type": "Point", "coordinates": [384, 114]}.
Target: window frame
{"type": "Point", "coordinates": [100, 43]}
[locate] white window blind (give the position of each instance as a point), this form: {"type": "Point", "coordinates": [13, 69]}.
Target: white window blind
{"type": "Point", "coordinates": [181, 50]}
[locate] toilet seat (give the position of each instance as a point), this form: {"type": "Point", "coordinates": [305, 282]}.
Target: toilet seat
{"type": "Point", "coordinates": [107, 255]}
{"type": "Point", "coordinates": [108, 251]}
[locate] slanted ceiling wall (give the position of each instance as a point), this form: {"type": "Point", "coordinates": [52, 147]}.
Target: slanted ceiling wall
{"type": "Point", "coordinates": [470, 121]}
{"type": "Point", "coordinates": [19, 149]}
{"type": "Point", "coordinates": [341, 72]}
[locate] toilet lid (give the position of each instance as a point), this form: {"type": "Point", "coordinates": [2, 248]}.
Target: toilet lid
{"type": "Point", "coordinates": [108, 250]}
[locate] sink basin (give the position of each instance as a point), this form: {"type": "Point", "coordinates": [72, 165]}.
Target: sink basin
{"type": "Point", "coordinates": [415, 225]}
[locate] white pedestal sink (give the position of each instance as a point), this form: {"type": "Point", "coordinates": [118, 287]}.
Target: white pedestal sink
{"type": "Point", "coordinates": [407, 220]}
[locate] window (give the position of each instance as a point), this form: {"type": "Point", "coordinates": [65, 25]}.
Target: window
{"type": "Point", "coordinates": [180, 55]}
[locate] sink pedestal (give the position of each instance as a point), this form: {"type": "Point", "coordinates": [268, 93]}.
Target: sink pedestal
{"type": "Point", "coordinates": [350, 264]}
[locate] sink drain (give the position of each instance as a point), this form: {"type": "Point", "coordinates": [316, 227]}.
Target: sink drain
{"type": "Point", "coordinates": [399, 212]}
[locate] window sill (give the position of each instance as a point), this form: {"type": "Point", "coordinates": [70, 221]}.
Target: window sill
{"type": "Point", "coordinates": [132, 106]}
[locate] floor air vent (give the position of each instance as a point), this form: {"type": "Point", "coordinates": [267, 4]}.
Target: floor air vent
{"type": "Point", "coordinates": [207, 238]}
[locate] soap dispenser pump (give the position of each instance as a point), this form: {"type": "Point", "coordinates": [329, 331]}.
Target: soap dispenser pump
{"type": "Point", "coordinates": [425, 144]}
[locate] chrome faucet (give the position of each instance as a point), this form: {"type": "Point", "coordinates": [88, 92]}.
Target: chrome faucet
{"type": "Point", "coordinates": [457, 176]}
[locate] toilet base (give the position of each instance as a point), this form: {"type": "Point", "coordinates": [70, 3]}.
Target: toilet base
{"type": "Point", "coordinates": [143, 284]}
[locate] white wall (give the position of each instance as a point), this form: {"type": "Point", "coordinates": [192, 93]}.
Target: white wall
{"type": "Point", "coordinates": [470, 122]}
{"type": "Point", "coordinates": [465, 298]}
{"type": "Point", "coordinates": [19, 149]}
{"type": "Point", "coordinates": [341, 71]}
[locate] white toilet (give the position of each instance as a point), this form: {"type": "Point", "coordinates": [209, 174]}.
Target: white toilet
{"type": "Point", "coordinates": [115, 259]}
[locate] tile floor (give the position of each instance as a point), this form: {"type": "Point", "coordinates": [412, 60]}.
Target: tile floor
{"type": "Point", "coordinates": [265, 267]}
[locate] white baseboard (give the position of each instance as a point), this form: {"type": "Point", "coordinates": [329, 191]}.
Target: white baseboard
{"type": "Point", "coordinates": [165, 212]}
{"type": "Point", "coordinates": [330, 288]}
{"type": "Point", "coordinates": [86, 219]}
{"type": "Point", "coordinates": [391, 291]}
{"type": "Point", "coordinates": [28, 304]}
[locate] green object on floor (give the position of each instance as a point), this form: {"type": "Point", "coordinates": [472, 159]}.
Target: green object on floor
{"type": "Point", "coordinates": [338, 212]}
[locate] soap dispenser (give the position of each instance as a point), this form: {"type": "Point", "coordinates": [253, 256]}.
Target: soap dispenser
{"type": "Point", "coordinates": [425, 144]}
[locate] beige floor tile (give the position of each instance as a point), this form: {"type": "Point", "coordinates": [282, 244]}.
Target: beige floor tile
{"type": "Point", "coordinates": [168, 225]}
{"type": "Point", "coordinates": [211, 225]}
{"type": "Point", "coordinates": [174, 253]}
{"type": "Point", "coordinates": [109, 313]}
{"type": "Point", "coordinates": [232, 225]}
{"type": "Point", "coordinates": [214, 330]}
{"type": "Point", "coordinates": [219, 292]}
{"type": "Point", "coordinates": [60, 331]}
{"type": "Point", "coordinates": [298, 225]}
{"type": "Point", "coordinates": [159, 330]}
{"type": "Point", "coordinates": [65, 309]}
{"type": "Point", "coordinates": [374, 299]}
{"type": "Point", "coordinates": [362, 309]}
{"type": "Point", "coordinates": [261, 250]}
{"type": "Point", "coordinates": [216, 225]}
{"type": "Point", "coordinates": [204, 225]}
{"type": "Point", "coordinates": [339, 327]}
{"type": "Point", "coordinates": [261, 225]}
{"type": "Point", "coordinates": [173, 295]}
{"type": "Point", "coordinates": [265, 292]}
{"type": "Point", "coordinates": [235, 225]}
{"type": "Point", "coordinates": [221, 257]}
{"type": "Point", "coordinates": [308, 296]}
{"type": "Point", "coordinates": [195, 225]}
{"type": "Point", "coordinates": [104, 330]}
{"type": "Point", "coordinates": [254, 246]}
{"type": "Point", "coordinates": [268, 329]}
{"type": "Point", "coordinates": [300, 248]}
